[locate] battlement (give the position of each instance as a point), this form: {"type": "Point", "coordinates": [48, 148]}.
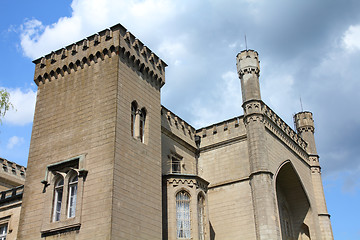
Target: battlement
{"type": "Point", "coordinates": [219, 128]}
{"type": "Point", "coordinates": [13, 169]}
{"type": "Point", "coordinates": [304, 121]}
{"type": "Point", "coordinates": [113, 41]}
{"type": "Point", "coordinates": [247, 61]}
{"type": "Point", "coordinates": [279, 127]}
{"type": "Point", "coordinates": [177, 126]}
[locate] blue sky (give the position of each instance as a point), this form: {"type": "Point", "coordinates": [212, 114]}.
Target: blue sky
{"type": "Point", "coordinates": [308, 49]}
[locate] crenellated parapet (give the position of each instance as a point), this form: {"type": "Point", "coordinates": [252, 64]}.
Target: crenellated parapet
{"type": "Point", "coordinates": [221, 128]}
{"type": "Point", "coordinates": [304, 122]}
{"type": "Point", "coordinates": [247, 62]}
{"type": "Point", "coordinates": [12, 168]}
{"type": "Point", "coordinates": [283, 131]}
{"type": "Point", "coordinates": [95, 48]}
{"type": "Point", "coordinates": [177, 126]}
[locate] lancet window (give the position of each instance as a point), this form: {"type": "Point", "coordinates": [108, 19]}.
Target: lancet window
{"type": "Point", "coordinates": [183, 215]}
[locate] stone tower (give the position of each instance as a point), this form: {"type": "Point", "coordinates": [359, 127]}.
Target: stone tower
{"type": "Point", "coordinates": [262, 186]}
{"type": "Point", "coordinates": [96, 142]}
{"type": "Point", "coordinates": [305, 126]}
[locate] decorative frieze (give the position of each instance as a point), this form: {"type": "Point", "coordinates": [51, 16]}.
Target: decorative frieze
{"type": "Point", "coordinates": [190, 181]}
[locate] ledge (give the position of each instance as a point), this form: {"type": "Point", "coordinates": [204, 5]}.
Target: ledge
{"type": "Point", "coordinates": [60, 230]}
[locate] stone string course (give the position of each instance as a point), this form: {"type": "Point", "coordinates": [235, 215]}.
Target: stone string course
{"type": "Point", "coordinates": [116, 40]}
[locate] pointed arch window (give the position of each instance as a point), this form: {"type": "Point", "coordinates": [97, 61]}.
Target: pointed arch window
{"type": "Point", "coordinates": [73, 186]}
{"type": "Point", "coordinates": [142, 124]}
{"type": "Point", "coordinates": [201, 216]}
{"type": "Point", "coordinates": [183, 215]}
{"type": "Point", "coordinates": [133, 117]}
{"type": "Point", "coordinates": [58, 194]}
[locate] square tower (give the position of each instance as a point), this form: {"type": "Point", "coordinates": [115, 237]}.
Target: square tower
{"type": "Point", "coordinates": [95, 149]}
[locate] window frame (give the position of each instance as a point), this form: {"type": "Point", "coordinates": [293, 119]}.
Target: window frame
{"type": "Point", "coordinates": [72, 187]}
{"type": "Point", "coordinates": [67, 169]}
{"type": "Point", "coordinates": [175, 158]}
{"type": "Point", "coordinates": [56, 215]}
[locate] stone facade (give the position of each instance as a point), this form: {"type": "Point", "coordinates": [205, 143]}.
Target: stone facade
{"type": "Point", "coordinates": [107, 161]}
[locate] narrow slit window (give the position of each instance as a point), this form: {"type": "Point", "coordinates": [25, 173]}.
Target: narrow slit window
{"type": "Point", "coordinates": [142, 125]}
{"type": "Point", "coordinates": [133, 117]}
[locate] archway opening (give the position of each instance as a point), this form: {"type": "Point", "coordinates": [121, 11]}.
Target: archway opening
{"type": "Point", "coordinates": [293, 204]}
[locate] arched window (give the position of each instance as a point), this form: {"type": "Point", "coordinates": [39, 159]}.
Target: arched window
{"type": "Point", "coordinates": [183, 215]}
{"type": "Point", "coordinates": [73, 184]}
{"type": "Point", "coordinates": [58, 193]}
{"type": "Point", "coordinates": [201, 216]}
{"type": "Point", "coordinates": [133, 117]}
{"type": "Point", "coordinates": [142, 124]}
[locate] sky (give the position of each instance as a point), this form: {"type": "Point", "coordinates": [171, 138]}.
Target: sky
{"type": "Point", "coordinates": [308, 50]}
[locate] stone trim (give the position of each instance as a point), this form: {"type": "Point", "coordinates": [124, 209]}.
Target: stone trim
{"type": "Point", "coordinates": [224, 143]}
{"type": "Point", "coordinates": [187, 179]}
{"type": "Point", "coordinates": [60, 230]}
{"type": "Point", "coordinates": [225, 183]}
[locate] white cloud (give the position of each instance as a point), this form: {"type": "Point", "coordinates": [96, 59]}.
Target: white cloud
{"type": "Point", "coordinates": [13, 141]}
{"type": "Point", "coordinates": [90, 16]}
{"type": "Point", "coordinates": [351, 38]}
{"type": "Point", "coordinates": [225, 104]}
{"type": "Point", "coordinates": [24, 107]}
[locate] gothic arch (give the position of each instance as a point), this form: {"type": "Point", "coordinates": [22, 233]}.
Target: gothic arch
{"type": "Point", "coordinates": [293, 202]}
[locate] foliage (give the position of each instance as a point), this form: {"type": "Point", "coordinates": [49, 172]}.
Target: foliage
{"type": "Point", "coordinates": [5, 103]}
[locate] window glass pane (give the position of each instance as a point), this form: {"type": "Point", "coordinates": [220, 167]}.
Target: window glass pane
{"type": "Point", "coordinates": [201, 217]}
{"type": "Point", "coordinates": [72, 196]}
{"type": "Point", "coordinates": [175, 165]}
{"type": "Point", "coordinates": [57, 203]}
{"type": "Point", "coordinates": [58, 194]}
{"type": "Point", "coordinates": [133, 117]}
{"type": "Point", "coordinates": [183, 215]}
{"type": "Point", "coordinates": [3, 231]}
{"type": "Point", "coordinates": [142, 125]}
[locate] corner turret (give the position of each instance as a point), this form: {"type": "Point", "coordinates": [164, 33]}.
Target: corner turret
{"type": "Point", "coordinates": [305, 127]}
{"type": "Point", "coordinates": [248, 68]}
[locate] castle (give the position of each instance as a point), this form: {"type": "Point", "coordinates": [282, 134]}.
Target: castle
{"type": "Point", "coordinates": [108, 161]}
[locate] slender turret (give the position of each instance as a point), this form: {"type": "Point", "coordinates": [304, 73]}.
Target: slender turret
{"type": "Point", "coordinates": [261, 178]}
{"type": "Point", "coordinates": [305, 126]}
